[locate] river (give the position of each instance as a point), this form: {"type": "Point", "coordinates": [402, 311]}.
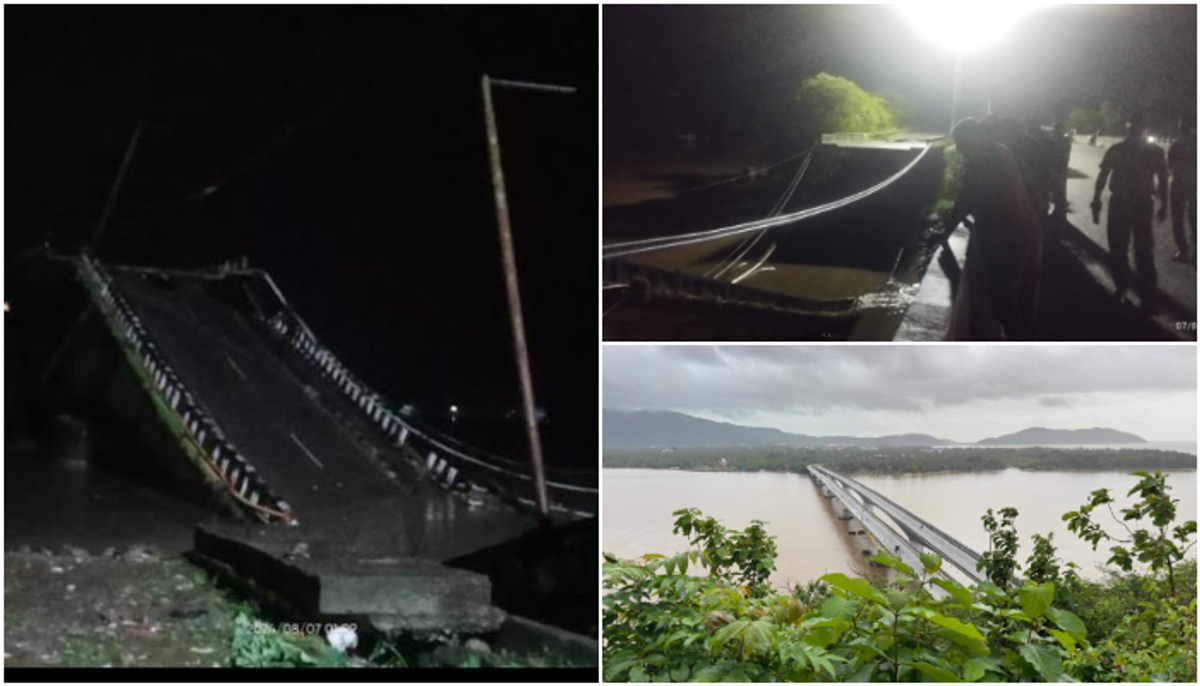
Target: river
{"type": "Point", "coordinates": [810, 539]}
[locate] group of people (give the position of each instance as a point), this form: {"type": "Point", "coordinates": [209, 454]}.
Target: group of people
{"type": "Point", "coordinates": [1015, 173]}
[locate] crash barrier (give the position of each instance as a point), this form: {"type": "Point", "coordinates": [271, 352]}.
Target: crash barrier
{"type": "Point", "coordinates": [617, 250]}
{"type": "Point", "coordinates": [680, 284]}
{"type": "Point", "coordinates": [446, 461]}
{"type": "Point", "coordinates": [222, 458]}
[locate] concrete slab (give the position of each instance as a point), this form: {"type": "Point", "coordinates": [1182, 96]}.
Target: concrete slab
{"type": "Point", "coordinates": [321, 579]}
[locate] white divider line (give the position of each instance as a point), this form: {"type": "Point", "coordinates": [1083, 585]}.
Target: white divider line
{"type": "Point", "coordinates": [236, 368]}
{"type": "Point", "coordinates": [307, 451]}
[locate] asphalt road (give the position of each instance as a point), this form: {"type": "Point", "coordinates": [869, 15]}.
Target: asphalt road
{"type": "Point", "coordinates": [1176, 300]}
{"type": "Point", "coordinates": [298, 433]}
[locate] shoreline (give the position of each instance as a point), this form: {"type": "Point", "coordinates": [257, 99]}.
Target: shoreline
{"type": "Point", "coordinates": [940, 472]}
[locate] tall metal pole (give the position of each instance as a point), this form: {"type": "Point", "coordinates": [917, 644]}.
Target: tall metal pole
{"type": "Point", "coordinates": [957, 89]}
{"type": "Point", "coordinates": [512, 285]}
{"type": "Point", "coordinates": [112, 194]}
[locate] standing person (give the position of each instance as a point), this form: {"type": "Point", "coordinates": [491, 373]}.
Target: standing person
{"type": "Point", "coordinates": [1133, 165]}
{"type": "Point", "coordinates": [1062, 161]}
{"type": "Point", "coordinates": [1182, 163]}
{"type": "Point", "coordinates": [998, 295]}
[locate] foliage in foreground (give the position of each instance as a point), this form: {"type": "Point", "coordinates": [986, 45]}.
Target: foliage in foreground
{"type": "Point", "coordinates": [662, 624]}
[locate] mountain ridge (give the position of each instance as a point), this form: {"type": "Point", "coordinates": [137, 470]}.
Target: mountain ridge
{"type": "Point", "coordinates": [668, 429]}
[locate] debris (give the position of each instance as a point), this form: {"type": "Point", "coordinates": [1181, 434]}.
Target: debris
{"type": "Point", "coordinates": [476, 645]}
{"type": "Point", "coordinates": [55, 569]}
{"type": "Point", "coordinates": [70, 588]}
{"type": "Point", "coordinates": [300, 550]}
{"type": "Point", "coordinates": [342, 638]}
{"type": "Point", "coordinates": [201, 651]}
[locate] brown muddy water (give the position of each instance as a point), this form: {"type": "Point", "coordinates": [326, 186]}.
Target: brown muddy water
{"type": "Point", "coordinates": [812, 541]}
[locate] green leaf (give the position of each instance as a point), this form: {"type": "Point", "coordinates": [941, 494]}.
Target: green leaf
{"type": "Point", "coordinates": [679, 674]}
{"type": "Point", "coordinates": [760, 634]}
{"type": "Point", "coordinates": [1044, 659]}
{"type": "Point", "coordinates": [956, 590]}
{"type": "Point", "coordinates": [728, 632]}
{"type": "Point", "coordinates": [963, 634]}
{"type": "Point", "coordinates": [833, 607]}
{"type": "Point", "coordinates": [931, 561]}
{"type": "Point", "coordinates": [972, 670]}
{"type": "Point", "coordinates": [669, 564]}
{"type": "Point", "coordinates": [712, 672]}
{"type": "Point", "coordinates": [856, 587]}
{"type": "Point", "coordinates": [1035, 599]}
{"type": "Point", "coordinates": [862, 674]}
{"type": "Point", "coordinates": [1069, 622]}
{"type": "Point", "coordinates": [638, 674]}
{"type": "Point", "coordinates": [893, 562]}
{"type": "Point", "coordinates": [683, 563]}
{"type": "Point", "coordinates": [1065, 639]}
{"type": "Point", "coordinates": [614, 670]}
{"type": "Point", "coordinates": [936, 673]}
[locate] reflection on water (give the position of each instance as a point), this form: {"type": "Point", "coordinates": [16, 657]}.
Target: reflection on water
{"type": "Point", "coordinates": [811, 541]}
{"type": "Point", "coordinates": [52, 503]}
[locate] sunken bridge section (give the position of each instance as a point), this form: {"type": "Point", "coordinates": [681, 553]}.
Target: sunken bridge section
{"type": "Point", "coordinates": [915, 535]}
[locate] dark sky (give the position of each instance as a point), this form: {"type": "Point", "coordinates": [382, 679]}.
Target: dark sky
{"type": "Point", "coordinates": [346, 147]}
{"type": "Point", "coordinates": [693, 65]}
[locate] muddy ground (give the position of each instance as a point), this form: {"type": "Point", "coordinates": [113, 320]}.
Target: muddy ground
{"type": "Point", "coordinates": [125, 609]}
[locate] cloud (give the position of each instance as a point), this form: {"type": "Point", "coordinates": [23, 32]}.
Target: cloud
{"type": "Point", "coordinates": [742, 383]}
{"type": "Point", "coordinates": [1054, 401]}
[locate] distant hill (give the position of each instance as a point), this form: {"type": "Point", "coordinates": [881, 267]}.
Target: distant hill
{"type": "Point", "coordinates": [662, 429]}
{"type": "Point", "coordinates": [1039, 436]}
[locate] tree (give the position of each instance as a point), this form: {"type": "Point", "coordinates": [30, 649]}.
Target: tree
{"type": "Point", "coordinates": [1000, 561]}
{"type": "Point", "coordinates": [1160, 548]}
{"type": "Point", "coordinates": [1042, 565]}
{"type": "Point", "coordinates": [832, 104]}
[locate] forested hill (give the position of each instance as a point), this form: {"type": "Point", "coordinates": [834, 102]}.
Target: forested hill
{"type": "Point", "coordinates": [894, 460]}
{"type": "Point", "coordinates": [660, 428]}
{"type": "Point", "coordinates": [1039, 436]}
{"type": "Point", "coordinates": [665, 429]}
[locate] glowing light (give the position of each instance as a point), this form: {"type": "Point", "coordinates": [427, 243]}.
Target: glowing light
{"type": "Point", "coordinates": [1151, 139]}
{"type": "Point", "coordinates": [967, 26]}
{"type": "Point", "coordinates": [454, 409]}
{"type": "Point", "coordinates": [6, 309]}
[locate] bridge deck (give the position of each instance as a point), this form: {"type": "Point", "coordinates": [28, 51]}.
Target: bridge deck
{"type": "Point", "coordinates": [297, 432]}
{"type": "Point", "coordinates": [951, 550]}
{"type": "Point", "coordinates": [893, 542]}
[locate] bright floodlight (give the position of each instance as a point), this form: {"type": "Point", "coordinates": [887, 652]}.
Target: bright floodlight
{"type": "Point", "coordinates": [966, 26]}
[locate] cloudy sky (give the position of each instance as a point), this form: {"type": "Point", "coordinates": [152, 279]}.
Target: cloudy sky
{"type": "Point", "coordinates": [961, 393]}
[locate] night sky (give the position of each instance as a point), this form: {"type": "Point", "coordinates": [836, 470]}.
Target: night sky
{"type": "Point", "coordinates": [346, 151]}
{"type": "Point", "coordinates": [670, 70]}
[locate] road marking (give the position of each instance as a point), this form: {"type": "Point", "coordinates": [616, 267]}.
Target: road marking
{"type": "Point", "coordinates": [307, 452]}
{"type": "Point", "coordinates": [236, 368]}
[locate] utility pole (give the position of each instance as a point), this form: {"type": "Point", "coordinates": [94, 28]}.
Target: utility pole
{"type": "Point", "coordinates": [511, 283]}
{"type": "Point", "coordinates": [112, 194]}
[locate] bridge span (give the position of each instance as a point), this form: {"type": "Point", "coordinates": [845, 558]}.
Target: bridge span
{"type": "Point", "coordinates": [917, 531]}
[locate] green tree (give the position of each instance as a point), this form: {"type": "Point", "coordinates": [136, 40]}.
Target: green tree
{"type": "Point", "coordinates": [1000, 560]}
{"type": "Point", "coordinates": [1042, 565]}
{"type": "Point", "coordinates": [1160, 547]}
{"type": "Point", "coordinates": [832, 104]}
{"type": "Point", "coordinates": [751, 551]}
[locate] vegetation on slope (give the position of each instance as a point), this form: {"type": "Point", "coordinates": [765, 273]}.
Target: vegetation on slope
{"type": "Point", "coordinates": [662, 624]}
{"type": "Point", "coordinates": [885, 460]}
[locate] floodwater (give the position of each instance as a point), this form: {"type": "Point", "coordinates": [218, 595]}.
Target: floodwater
{"type": "Point", "coordinates": [812, 541]}
{"type": "Point", "coordinates": [53, 502]}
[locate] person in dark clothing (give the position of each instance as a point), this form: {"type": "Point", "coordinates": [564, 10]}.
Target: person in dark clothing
{"type": "Point", "coordinates": [1138, 170]}
{"type": "Point", "coordinates": [1061, 147]}
{"type": "Point", "coordinates": [1182, 163]}
{"type": "Point", "coordinates": [998, 294]}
